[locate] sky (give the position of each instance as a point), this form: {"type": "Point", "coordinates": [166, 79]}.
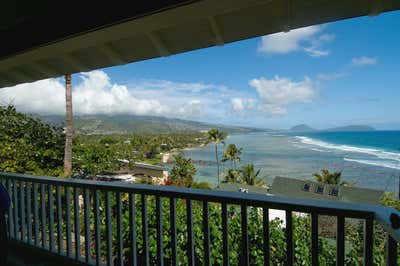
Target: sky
{"type": "Point", "coordinates": [336, 74]}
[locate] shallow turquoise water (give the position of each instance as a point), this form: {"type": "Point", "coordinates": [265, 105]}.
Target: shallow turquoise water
{"type": "Point", "coordinates": [357, 154]}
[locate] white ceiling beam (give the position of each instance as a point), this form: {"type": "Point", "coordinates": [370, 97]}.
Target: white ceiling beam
{"type": "Point", "coordinates": [216, 30]}
{"type": "Point", "coordinates": [158, 44]}
{"type": "Point", "coordinates": [112, 55]}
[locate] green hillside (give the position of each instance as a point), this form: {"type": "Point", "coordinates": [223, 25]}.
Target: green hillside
{"type": "Point", "coordinates": [122, 124]}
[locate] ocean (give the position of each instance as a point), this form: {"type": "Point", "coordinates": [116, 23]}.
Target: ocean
{"type": "Point", "coordinates": [369, 158]}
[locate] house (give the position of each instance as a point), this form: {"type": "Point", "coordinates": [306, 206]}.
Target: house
{"type": "Point", "coordinates": [290, 187]}
{"type": "Point", "coordinates": [145, 169]}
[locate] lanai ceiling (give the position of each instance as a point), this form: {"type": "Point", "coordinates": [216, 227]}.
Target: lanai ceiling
{"type": "Point", "coordinates": [42, 39]}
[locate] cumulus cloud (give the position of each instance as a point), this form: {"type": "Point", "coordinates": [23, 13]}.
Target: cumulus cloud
{"type": "Point", "coordinates": [277, 93]}
{"type": "Point", "coordinates": [242, 106]}
{"type": "Point", "coordinates": [237, 104]}
{"type": "Point", "coordinates": [95, 93]}
{"type": "Point", "coordinates": [364, 61]}
{"type": "Point", "coordinates": [307, 39]}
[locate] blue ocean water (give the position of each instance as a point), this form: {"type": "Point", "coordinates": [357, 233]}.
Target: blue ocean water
{"type": "Point", "coordinates": [370, 158]}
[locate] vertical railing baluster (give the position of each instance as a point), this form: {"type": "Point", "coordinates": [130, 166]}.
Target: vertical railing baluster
{"type": "Point", "coordinates": [77, 224]}
{"type": "Point", "coordinates": [15, 204]}
{"type": "Point", "coordinates": [10, 211]}
{"type": "Point", "coordinates": [29, 211]}
{"type": "Point", "coordinates": [189, 221]}
{"type": "Point", "coordinates": [245, 239]}
{"type": "Point", "coordinates": [225, 245]}
{"type": "Point", "coordinates": [87, 224]}
{"type": "Point", "coordinates": [97, 238]}
{"type": "Point", "coordinates": [340, 244]}
{"type": "Point", "coordinates": [160, 247]}
{"type": "Point", "coordinates": [266, 236]}
{"type": "Point", "coordinates": [172, 209]}
{"type": "Point", "coordinates": [43, 214]}
{"type": "Point", "coordinates": [206, 233]}
{"type": "Point", "coordinates": [51, 217]}
{"type": "Point", "coordinates": [368, 241]}
{"type": "Point", "coordinates": [391, 251]}
{"type": "Point", "coordinates": [289, 238]}
{"type": "Point", "coordinates": [132, 228]}
{"type": "Point", "coordinates": [145, 228]}
{"type": "Point", "coordinates": [59, 220]}
{"type": "Point", "coordinates": [22, 200]}
{"type": "Point", "coordinates": [36, 213]}
{"type": "Point", "coordinates": [314, 239]}
{"type": "Point", "coordinates": [109, 229]}
{"type": "Point", "coordinates": [119, 229]}
{"type": "Point", "coordinates": [68, 220]}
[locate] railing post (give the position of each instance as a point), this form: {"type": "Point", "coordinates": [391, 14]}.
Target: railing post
{"type": "Point", "coordinates": [159, 225]}
{"type": "Point", "coordinates": [22, 209]}
{"type": "Point", "coordinates": [189, 224]}
{"type": "Point", "coordinates": [132, 228]}
{"type": "Point", "coordinates": [145, 230]}
{"type": "Point", "coordinates": [314, 239]}
{"type": "Point", "coordinates": [87, 224]}
{"type": "Point", "coordinates": [77, 224]}
{"type": "Point", "coordinates": [245, 237]}
{"type": "Point", "coordinates": [391, 251]}
{"type": "Point", "coordinates": [340, 244]}
{"type": "Point", "coordinates": [206, 232]}
{"type": "Point", "coordinates": [43, 214]}
{"type": "Point", "coordinates": [289, 238]}
{"type": "Point", "coordinates": [266, 236]}
{"type": "Point", "coordinates": [172, 208]}
{"type": "Point", "coordinates": [97, 236]}
{"type": "Point", "coordinates": [225, 242]}
{"type": "Point", "coordinates": [51, 217]}
{"type": "Point", "coordinates": [68, 220]}
{"type": "Point", "coordinates": [368, 241]}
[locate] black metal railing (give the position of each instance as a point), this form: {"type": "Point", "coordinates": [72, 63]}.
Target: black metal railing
{"type": "Point", "coordinates": [98, 222]}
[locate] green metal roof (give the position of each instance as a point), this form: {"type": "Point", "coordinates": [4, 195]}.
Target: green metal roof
{"type": "Point", "coordinates": [283, 186]}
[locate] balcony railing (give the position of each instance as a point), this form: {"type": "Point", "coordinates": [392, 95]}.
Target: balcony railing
{"type": "Point", "coordinates": [97, 222]}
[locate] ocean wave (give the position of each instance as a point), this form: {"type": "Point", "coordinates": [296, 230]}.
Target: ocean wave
{"type": "Point", "coordinates": [375, 163]}
{"type": "Point", "coordinates": [375, 152]}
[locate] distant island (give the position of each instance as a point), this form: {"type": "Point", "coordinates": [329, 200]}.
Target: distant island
{"type": "Point", "coordinates": [307, 128]}
{"type": "Point", "coordinates": [302, 128]}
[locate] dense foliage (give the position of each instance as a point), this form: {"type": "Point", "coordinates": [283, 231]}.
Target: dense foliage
{"type": "Point", "coordinates": [27, 145]}
{"type": "Point", "coordinates": [301, 236]}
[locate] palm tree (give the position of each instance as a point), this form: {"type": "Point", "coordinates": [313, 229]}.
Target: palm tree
{"type": "Point", "coordinates": [232, 153]}
{"type": "Point", "coordinates": [333, 178]}
{"type": "Point", "coordinates": [231, 176]}
{"type": "Point", "coordinates": [250, 176]}
{"type": "Point", "coordinates": [183, 172]}
{"type": "Point", "coordinates": [216, 136]}
{"type": "Point", "coordinates": [69, 127]}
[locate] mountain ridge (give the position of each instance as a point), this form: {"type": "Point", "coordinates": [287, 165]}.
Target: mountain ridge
{"type": "Point", "coordinates": [126, 124]}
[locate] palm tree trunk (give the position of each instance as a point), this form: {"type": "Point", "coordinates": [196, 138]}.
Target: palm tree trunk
{"type": "Point", "coordinates": [216, 156]}
{"type": "Point", "coordinates": [69, 127]}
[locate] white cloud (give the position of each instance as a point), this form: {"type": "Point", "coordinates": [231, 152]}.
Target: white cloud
{"type": "Point", "coordinates": [95, 93]}
{"type": "Point", "coordinates": [237, 104]}
{"type": "Point", "coordinates": [331, 76]}
{"type": "Point", "coordinates": [364, 61]}
{"type": "Point", "coordinates": [276, 93]}
{"type": "Point", "coordinates": [306, 39]}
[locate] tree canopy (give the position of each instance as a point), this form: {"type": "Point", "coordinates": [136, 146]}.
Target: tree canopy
{"type": "Point", "coordinates": [28, 145]}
